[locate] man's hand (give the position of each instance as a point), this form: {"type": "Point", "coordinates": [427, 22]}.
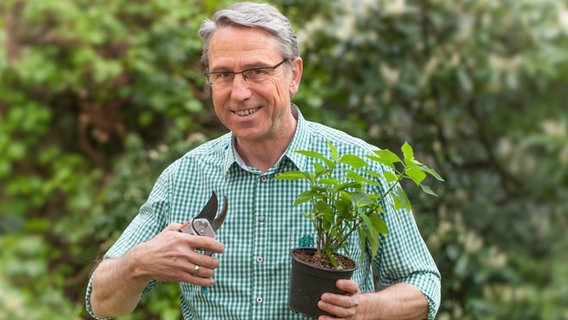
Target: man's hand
{"type": "Point", "coordinates": [344, 306]}
{"type": "Point", "coordinates": [398, 301]}
{"type": "Point", "coordinates": [171, 257]}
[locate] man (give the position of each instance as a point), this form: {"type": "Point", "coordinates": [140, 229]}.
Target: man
{"type": "Point", "coordinates": [254, 69]}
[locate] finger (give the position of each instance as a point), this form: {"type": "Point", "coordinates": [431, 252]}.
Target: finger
{"type": "Point", "coordinates": [203, 261]}
{"type": "Point", "coordinates": [198, 271]}
{"type": "Point", "coordinates": [339, 300]}
{"type": "Point", "coordinates": [201, 278]}
{"type": "Point", "coordinates": [350, 287]}
{"type": "Point", "coordinates": [336, 311]}
{"type": "Point", "coordinates": [203, 243]}
{"type": "Point", "coordinates": [173, 227]}
{"type": "Point", "coordinates": [339, 304]}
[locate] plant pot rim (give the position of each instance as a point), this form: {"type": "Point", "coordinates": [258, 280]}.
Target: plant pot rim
{"type": "Point", "coordinates": [319, 267]}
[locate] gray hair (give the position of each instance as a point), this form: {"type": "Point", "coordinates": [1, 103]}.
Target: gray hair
{"type": "Point", "coordinates": [251, 15]}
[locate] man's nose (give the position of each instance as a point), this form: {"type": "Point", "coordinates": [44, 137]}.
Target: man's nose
{"type": "Point", "coordinates": [240, 89]}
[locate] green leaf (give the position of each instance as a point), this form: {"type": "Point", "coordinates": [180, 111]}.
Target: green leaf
{"type": "Point", "coordinates": [371, 235]}
{"type": "Point", "coordinates": [432, 172]}
{"type": "Point", "coordinates": [361, 199]}
{"type": "Point", "coordinates": [333, 150]}
{"type": "Point", "coordinates": [415, 173]}
{"type": "Point", "coordinates": [401, 199]}
{"type": "Point", "coordinates": [346, 196]}
{"type": "Point", "coordinates": [350, 185]}
{"type": "Point", "coordinates": [316, 155]}
{"type": "Point", "coordinates": [379, 225]}
{"type": "Point", "coordinates": [366, 221]}
{"type": "Point", "coordinates": [323, 208]}
{"type": "Point", "coordinates": [304, 197]}
{"type": "Point", "coordinates": [390, 177]}
{"type": "Point", "coordinates": [428, 190]}
{"type": "Point", "coordinates": [407, 152]}
{"type": "Point", "coordinates": [311, 154]}
{"type": "Point", "coordinates": [353, 161]}
{"type": "Point", "coordinates": [387, 175]}
{"type": "Point", "coordinates": [291, 175]}
{"type": "Point", "coordinates": [359, 178]}
{"type": "Point", "coordinates": [385, 157]}
{"type": "Point", "coordinates": [320, 169]}
{"type": "Point", "coordinates": [327, 223]}
{"type": "Point", "coordinates": [332, 259]}
{"type": "Point", "coordinates": [342, 206]}
{"type": "Point", "coordinates": [328, 181]}
{"type": "Point", "coordinates": [310, 177]}
{"type": "Point", "coordinates": [362, 240]}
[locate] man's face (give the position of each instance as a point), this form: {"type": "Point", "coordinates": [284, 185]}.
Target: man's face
{"type": "Point", "coordinates": [254, 112]}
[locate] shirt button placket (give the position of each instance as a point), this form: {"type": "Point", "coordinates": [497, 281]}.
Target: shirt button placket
{"type": "Point", "coordinates": [260, 243]}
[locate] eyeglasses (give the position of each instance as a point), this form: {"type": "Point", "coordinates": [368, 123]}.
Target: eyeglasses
{"type": "Point", "coordinates": [255, 75]}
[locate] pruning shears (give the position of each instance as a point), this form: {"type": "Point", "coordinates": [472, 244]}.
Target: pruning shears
{"type": "Point", "coordinates": [206, 222]}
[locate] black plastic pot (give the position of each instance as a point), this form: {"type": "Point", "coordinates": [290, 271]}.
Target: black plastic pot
{"type": "Point", "coordinates": [308, 282]}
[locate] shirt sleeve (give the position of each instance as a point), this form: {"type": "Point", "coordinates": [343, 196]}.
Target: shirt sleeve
{"type": "Point", "coordinates": [404, 257]}
{"type": "Point", "coordinates": [151, 220]}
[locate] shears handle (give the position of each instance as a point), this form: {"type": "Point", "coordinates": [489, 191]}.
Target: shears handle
{"type": "Point", "coordinates": [199, 227]}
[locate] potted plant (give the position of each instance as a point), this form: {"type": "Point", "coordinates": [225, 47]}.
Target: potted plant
{"type": "Point", "coordinates": [342, 204]}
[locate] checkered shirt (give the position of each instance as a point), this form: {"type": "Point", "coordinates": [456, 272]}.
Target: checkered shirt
{"type": "Point", "coordinates": [262, 226]}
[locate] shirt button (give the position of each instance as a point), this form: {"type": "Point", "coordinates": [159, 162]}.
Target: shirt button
{"type": "Point", "coordinates": [261, 218]}
{"type": "Point", "coordinates": [263, 178]}
{"type": "Point", "coordinates": [259, 259]}
{"type": "Point", "coordinates": [259, 300]}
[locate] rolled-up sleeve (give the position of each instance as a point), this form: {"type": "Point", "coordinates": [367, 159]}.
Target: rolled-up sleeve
{"type": "Point", "coordinates": [404, 257]}
{"type": "Point", "coordinates": [150, 220]}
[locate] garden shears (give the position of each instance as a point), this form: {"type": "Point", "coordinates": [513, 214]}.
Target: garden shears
{"type": "Point", "coordinates": [206, 222]}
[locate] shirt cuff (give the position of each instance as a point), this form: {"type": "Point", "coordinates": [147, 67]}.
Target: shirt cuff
{"type": "Point", "coordinates": [429, 285]}
{"type": "Point", "coordinates": [88, 300]}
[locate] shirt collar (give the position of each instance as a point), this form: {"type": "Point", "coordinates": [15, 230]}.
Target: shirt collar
{"type": "Point", "coordinates": [230, 154]}
{"type": "Point", "coordinates": [300, 141]}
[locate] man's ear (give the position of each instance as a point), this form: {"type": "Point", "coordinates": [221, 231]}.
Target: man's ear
{"type": "Point", "coordinates": [296, 76]}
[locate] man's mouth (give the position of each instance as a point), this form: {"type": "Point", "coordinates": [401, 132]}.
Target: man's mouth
{"type": "Point", "coordinates": [244, 113]}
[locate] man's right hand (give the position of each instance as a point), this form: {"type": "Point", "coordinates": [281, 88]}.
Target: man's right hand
{"type": "Point", "coordinates": [170, 256]}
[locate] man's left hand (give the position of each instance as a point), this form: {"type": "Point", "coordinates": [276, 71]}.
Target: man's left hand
{"type": "Point", "coordinates": [343, 306]}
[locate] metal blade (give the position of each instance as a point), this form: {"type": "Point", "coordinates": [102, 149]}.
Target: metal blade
{"type": "Point", "coordinates": [218, 221]}
{"type": "Point", "coordinates": [210, 210]}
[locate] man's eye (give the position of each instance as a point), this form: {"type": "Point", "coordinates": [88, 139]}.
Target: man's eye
{"type": "Point", "coordinates": [224, 74]}
{"type": "Point", "coordinates": [258, 71]}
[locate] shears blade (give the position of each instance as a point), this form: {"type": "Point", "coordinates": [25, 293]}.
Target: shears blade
{"type": "Point", "coordinates": [205, 223]}
{"type": "Point", "coordinates": [210, 210]}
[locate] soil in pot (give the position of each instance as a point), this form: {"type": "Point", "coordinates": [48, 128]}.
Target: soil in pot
{"type": "Point", "coordinates": [309, 281]}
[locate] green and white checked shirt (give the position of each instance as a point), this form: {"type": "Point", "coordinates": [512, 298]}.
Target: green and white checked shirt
{"type": "Point", "coordinates": [262, 226]}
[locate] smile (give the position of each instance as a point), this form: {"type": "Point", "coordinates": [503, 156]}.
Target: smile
{"type": "Point", "coordinates": [244, 113]}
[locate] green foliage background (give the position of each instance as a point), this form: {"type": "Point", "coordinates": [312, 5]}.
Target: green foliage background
{"type": "Point", "coordinates": [97, 97]}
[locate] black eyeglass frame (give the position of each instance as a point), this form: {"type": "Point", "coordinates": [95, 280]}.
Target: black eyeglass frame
{"type": "Point", "coordinates": [242, 72]}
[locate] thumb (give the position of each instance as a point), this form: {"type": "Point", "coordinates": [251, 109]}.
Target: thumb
{"type": "Point", "coordinates": [350, 287]}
